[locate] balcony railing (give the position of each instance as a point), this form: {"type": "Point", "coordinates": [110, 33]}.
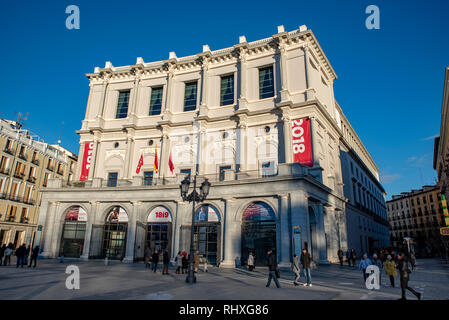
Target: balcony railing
{"type": "Point", "coordinates": [31, 179]}
{"type": "Point", "coordinates": [19, 175]}
{"type": "Point", "coordinates": [8, 151]}
{"type": "Point", "coordinates": [35, 161]}
{"type": "Point", "coordinates": [11, 218]}
{"type": "Point", "coordinates": [23, 157]}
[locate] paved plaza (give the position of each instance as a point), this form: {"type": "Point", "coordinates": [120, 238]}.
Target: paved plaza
{"type": "Point", "coordinates": [132, 281]}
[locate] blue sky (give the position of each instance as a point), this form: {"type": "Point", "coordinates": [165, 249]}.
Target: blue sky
{"type": "Point", "coordinates": [390, 81]}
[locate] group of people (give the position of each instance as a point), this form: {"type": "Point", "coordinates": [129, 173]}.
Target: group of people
{"type": "Point", "coordinates": [22, 254]}
{"type": "Point", "coordinates": [181, 261]}
{"type": "Point", "coordinates": [390, 262]}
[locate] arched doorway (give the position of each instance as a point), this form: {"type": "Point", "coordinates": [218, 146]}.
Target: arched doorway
{"type": "Point", "coordinates": [207, 233]}
{"type": "Point", "coordinates": [73, 232]}
{"type": "Point", "coordinates": [114, 233]}
{"type": "Point", "coordinates": [159, 230]}
{"type": "Point", "coordinates": [258, 232]}
{"type": "Point", "coordinates": [313, 233]}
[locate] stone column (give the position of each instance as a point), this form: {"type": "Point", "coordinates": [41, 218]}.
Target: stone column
{"type": "Point", "coordinates": [287, 128]}
{"type": "Point", "coordinates": [49, 230]}
{"type": "Point", "coordinates": [241, 146]}
{"type": "Point", "coordinates": [88, 234]}
{"type": "Point", "coordinates": [163, 154]}
{"type": "Point", "coordinates": [127, 174]}
{"type": "Point", "coordinates": [313, 129]}
{"type": "Point", "coordinates": [232, 234]}
{"type": "Point", "coordinates": [131, 236]}
{"type": "Point", "coordinates": [285, 95]}
{"type": "Point", "coordinates": [203, 158]}
{"type": "Point", "coordinates": [93, 164]}
{"type": "Point", "coordinates": [242, 101]}
{"type": "Point", "coordinates": [204, 68]}
{"type": "Point", "coordinates": [310, 92]}
{"type": "Point", "coordinates": [284, 248]}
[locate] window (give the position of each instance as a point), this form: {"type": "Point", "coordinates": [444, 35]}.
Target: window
{"type": "Point", "coordinates": [185, 171]}
{"type": "Point", "coordinates": [148, 178]}
{"type": "Point", "coordinates": [3, 165]}
{"type": "Point", "coordinates": [424, 199]}
{"type": "Point", "coordinates": [227, 90]}
{"type": "Point", "coordinates": [122, 105]}
{"type": "Point", "coordinates": [190, 96]}
{"type": "Point", "coordinates": [45, 180]}
{"type": "Point", "coordinates": [352, 168]}
{"type": "Point", "coordinates": [222, 172]}
{"type": "Point", "coordinates": [11, 213]}
{"type": "Point", "coordinates": [156, 101]}
{"type": "Point", "coordinates": [268, 169]}
{"type": "Point", "coordinates": [23, 217]}
{"type": "Point", "coordinates": [266, 82]}
{"type": "Point", "coordinates": [112, 179]}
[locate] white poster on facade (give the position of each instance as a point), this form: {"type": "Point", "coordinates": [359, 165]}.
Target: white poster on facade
{"type": "Point", "coordinates": [118, 214]}
{"type": "Point", "coordinates": [159, 214]}
{"type": "Point", "coordinates": [207, 213]}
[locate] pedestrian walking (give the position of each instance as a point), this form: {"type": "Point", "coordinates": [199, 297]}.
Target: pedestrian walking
{"type": "Point", "coordinates": [296, 270]}
{"type": "Point", "coordinates": [185, 263]}
{"type": "Point", "coordinates": [8, 253]}
{"type": "Point", "coordinates": [196, 261]}
{"type": "Point", "coordinates": [404, 275]}
{"type": "Point", "coordinates": [364, 263]}
{"type": "Point", "coordinates": [154, 260]}
{"type": "Point", "coordinates": [178, 261]}
{"type": "Point", "coordinates": [2, 253]}
{"type": "Point", "coordinates": [147, 257]}
{"type": "Point", "coordinates": [306, 261]}
{"type": "Point", "coordinates": [273, 269]}
{"type": "Point", "coordinates": [20, 254]}
{"type": "Point", "coordinates": [165, 261]}
{"type": "Point", "coordinates": [251, 262]}
{"type": "Point", "coordinates": [390, 269]}
{"type": "Point", "coordinates": [34, 255]}
{"type": "Point", "coordinates": [353, 257]}
{"type": "Point", "coordinates": [340, 256]}
{"type": "Point", "coordinates": [348, 257]}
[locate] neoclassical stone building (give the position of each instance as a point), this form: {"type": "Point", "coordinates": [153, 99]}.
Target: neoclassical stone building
{"type": "Point", "coordinates": [259, 120]}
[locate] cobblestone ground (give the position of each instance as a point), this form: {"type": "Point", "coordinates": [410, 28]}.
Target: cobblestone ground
{"type": "Point", "coordinates": [133, 281]}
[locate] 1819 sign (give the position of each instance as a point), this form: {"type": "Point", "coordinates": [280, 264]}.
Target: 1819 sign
{"type": "Point", "coordinates": [161, 214]}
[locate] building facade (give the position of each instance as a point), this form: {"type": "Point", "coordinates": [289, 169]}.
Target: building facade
{"type": "Point", "coordinates": [259, 120]}
{"type": "Point", "coordinates": [26, 165]}
{"type": "Point", "coordinates": [417, 214]}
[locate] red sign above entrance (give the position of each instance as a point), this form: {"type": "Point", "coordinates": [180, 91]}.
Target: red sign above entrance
{"type": "Point", "coordinates": [302, 147]}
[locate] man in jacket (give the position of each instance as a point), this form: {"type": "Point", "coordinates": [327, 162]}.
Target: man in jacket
{"type": "Point", "coordinates": [166, 261]}
{"type": "Point", "coordinates": [296, 270]}
{"type": "Point", "coordinates": [34, 255]}
{"type": "Point", "coordinates": [155, 260]}
{"type": "Point", "coordinates": [404, 272]}
{"type": "Point", "coordinates": [306, 260]}
{"type": "Point", "coordinates": [340, 256]}
{"type": "Point", "coordinates": [353, 257]}
{"type": "Point", "coordinates": [272, 266]}
{"type": "Point", "coordinates": [20, 254]}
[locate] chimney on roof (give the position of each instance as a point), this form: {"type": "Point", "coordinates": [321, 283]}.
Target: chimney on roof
{"type": "Point", "coordinates": [139, 60]}
{"type": "Point", "coordinates": [206, 48]}
{"type": "Point", "coordinates": [302, 28]}
{"type": "Point", "coordinates": [172, 55]}
{"type": "Point", "coordinates": [281, 29]}
{"type": "Point", "coordinates": [242, 39]}
{"type": "Point", "coordinates": [108, 65]}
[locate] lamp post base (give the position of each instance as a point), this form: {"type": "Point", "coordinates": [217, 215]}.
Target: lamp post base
{"type": "Point", "coordinates": [191, 278]}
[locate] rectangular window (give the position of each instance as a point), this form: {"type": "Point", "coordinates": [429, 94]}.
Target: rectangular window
{"type": "Point", "coordinates": [190, 96]}
{"type": "Point", "coordinates": [45, 180]}
{"type": "Point", "coordinates": [222, 172]}
{"type": "Point", "coordinates": [156, 101]}
{"type": "Point", "coordinates": [11, 213]}
{"type": "Point", "coordinates": [185, 171]}
{"type": "Point", "coordinates": [268, 169]}
{"type": "Point", "coordinates": [148, 178]}
{"type": "Point", "coordinates": [266, 82]}
{"type": "Point", "coordinates": [227, 90]}
{"type": "Point", "coordinates": [122, 105]}
{"type": "Point", "coordinates": [112, 179]}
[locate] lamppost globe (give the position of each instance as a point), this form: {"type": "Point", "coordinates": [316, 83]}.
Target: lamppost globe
{"type": "Point", "coordinates": [204, 189]}
{"type": "Point", "coordinates": [185, 186]}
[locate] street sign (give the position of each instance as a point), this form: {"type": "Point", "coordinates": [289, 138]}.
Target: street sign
{"type": "Point", "coordinates": [445, 211]}
{"type": "Point", "coordinates": [444, 231]}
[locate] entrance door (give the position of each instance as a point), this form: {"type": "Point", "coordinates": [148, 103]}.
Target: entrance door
{"type": "Point", "coordinates": [73, 232]}
{"type": "Point", "coordinates": [159, 236]}
{"type": "Point", "coordinates": [258, 232]}
{"type": "Point", "coordinates": [114, 234]}
{"type": "Point", "coordinates": [206, 237]}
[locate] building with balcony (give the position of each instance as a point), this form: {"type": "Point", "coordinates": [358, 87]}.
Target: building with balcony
{"type": "Point", "coordinates": [26, 165]}
{"type": "Point", "coordinates": [259, 120]}
{"type": "Point", "coordinates": [417, 214]}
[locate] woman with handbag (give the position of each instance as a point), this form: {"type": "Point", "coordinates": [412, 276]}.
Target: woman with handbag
{"type": "Point", "coordinates": [273, 269]}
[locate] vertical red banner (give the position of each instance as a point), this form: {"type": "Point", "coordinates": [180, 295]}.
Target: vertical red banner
{"type": "Point", "coordinates": [301, 142]}
{"type": "Point", "coordinates": [87, 159]}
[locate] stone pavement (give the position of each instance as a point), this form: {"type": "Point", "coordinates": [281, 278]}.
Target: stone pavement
{"type": "Point", "coordinates": [133, 281]}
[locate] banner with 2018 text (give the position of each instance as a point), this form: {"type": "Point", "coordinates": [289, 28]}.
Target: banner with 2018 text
{"type": "Point", "coordinates": [301, 142]}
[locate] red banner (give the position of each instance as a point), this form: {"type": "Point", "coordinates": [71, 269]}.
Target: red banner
{"type": "Point", "coordinates": [87, 159]}
{"type": "Point", "coordinates": [302, 147]}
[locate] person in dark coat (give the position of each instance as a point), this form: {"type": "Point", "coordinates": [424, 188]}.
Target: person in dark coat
{"type": "Point", "coordinates": [20, 254]}
{"type": "Point", "coordinates": [272, 266]}
{"type": "Point", "coordinates": [155, 260]}
{"type": "Point", "coordinates": [147, 256]}
{"type": "Point", "coordinates": [353, 257]}
{"type": "Point", "coordinates": [404, 273]}
{"type": "Point", "coordinates": [166, 261]}
{"type": "Point", "coordinates": [185, 263]}
{"type": "Point", "coordinates": [34, 255]}
{"type": "Point", "coordinates": [306, 261]}
{"type": "Point", "coordinates": [2, 253]}
{"type": "Point", "coordinates": [340, 256]}
{"type": "Point", "coordinates": [27, 254]}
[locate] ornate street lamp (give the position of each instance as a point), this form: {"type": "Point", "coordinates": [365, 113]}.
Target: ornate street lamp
{"type": "Point", "coordinates": [193, 197]}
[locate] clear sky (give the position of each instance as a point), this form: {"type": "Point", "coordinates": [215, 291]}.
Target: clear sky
{"type": "Point", "coordinates": [390, 81]}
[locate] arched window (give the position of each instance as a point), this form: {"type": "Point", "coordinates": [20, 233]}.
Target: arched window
{"type": "Point", "coordinates": [73, 232]}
